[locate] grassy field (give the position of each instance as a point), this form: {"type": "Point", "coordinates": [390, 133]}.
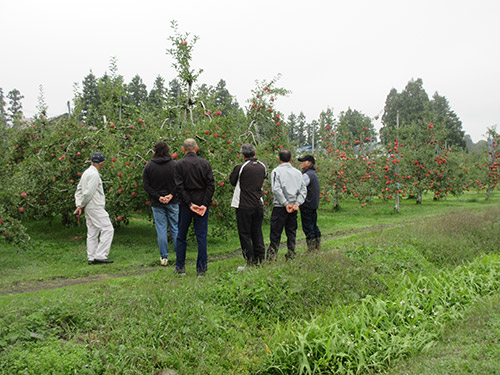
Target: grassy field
{"type": "Point", "coordinates": [61, 316]}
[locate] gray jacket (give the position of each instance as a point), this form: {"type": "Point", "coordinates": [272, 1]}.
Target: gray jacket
{"type": "Point", "coordinates": [287, 185]}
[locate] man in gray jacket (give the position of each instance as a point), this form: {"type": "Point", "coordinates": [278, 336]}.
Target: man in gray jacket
{"type": "Point", "coordinates": [89, 196]}
{"type": "Point", "coordinates": [289, 192]}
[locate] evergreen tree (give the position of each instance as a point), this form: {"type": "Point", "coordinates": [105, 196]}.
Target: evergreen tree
{"type": "Point", "coordinates": [89, 100]}
{"type": "Point", "coordinates": [291, 126]}
{"type": "Point", "coordinates": [174, 92]}
{"type": "Point", "coordinates": [327, 123]}
{"type": "Point", "coordinates": [15, 110]}
{"type": "Point", "coordinates": [301, 129]}
{"type": "Point", "coordinates": [3, 110]}
{"type": "Point", "coordinates": [136, 92]}
{"type": "Point", "coordinates": [158, 93]}
{"type": "Point", "coordinates": [443, 117]}
{"type": "Point", "coordinates": [356, 124]}
{"type": "Point", "coordinates": [224, 101]}
{"type": "Point", "coordinates": [413, 107]}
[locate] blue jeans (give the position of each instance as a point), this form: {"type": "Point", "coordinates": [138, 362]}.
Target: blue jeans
{"type": "Point", "coordinates": [200, 230]}
{"type": "Point", "coordinates": [163, 214]}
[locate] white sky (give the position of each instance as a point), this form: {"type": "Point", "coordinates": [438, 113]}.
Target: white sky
{"type": "Point", "coordinates": [330, 53]}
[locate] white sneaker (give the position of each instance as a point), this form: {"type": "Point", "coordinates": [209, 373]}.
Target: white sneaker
{"type": "Point", "coordinates": [241, 268]}
{"type": "Point", "coordinates": [164, 261]}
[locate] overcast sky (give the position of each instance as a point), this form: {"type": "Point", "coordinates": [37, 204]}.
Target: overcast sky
{"type": "Point", "coordinates": [330, 53]}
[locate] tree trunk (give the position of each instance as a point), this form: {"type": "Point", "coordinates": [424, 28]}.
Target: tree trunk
{"type": "Point", "coordinates": [65, 218]}
{"type": "Point", "coordinates": [336, 199]}
{"type": "Point", "coordinates": [419, 197]}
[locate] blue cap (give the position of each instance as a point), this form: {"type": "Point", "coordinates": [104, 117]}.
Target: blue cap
{"type": "Point", "coordinates": [97, 157]}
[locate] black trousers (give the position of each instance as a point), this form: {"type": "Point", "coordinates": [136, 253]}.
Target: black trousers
{"type": "Point", "coordinates": [309, 218]}
{"type": "Point", "coordinates": [280, 219]}
{"type": "Point", "coordinates": [249, 222]}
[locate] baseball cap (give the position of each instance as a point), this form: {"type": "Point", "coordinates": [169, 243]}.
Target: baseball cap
{"type": "Point", "coordinates": [307, 158]}
{"type": "Point", "coordinates": [97, 157]}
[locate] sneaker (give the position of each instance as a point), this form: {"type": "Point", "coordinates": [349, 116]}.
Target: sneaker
{"type": "Point", "coordinates": [91, 262]}
{"type": "Point", "coordinates": [164, 261]}
{"type": "Point", "coordinates": [180, 271]}
{"type": "Point", "coordinates": [202, 274]}
{"type": "Point", "coordinates": [241, 268]}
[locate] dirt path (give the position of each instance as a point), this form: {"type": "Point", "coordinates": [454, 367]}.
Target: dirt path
{"type": "Point", "coordinates": [61, 282]}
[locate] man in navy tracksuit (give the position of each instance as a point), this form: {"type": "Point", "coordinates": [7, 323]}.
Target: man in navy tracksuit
{"type": "Point", "coordinates": [248, 178]}
{"type": "Point", "coordinates": [308, 210]}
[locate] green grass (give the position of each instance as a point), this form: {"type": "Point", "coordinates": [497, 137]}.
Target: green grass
{"type": "Point", "coordinates": [148, 320]}
{"type": "Point", "coordinates": [471, 346]}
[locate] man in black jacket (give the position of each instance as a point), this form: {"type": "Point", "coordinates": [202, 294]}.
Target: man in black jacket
{"type": "Point", "coordinates": [308, 210]}
{"type": "Point", "coordinates": [195, 185]}
{"type": "Point", "coordinates": [248, 178]}
{"type": "Point", "coordinates": [158, 181]}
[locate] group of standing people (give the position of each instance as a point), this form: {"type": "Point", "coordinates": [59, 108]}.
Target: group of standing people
{"type": "Point", "coordinates": [181, 191]}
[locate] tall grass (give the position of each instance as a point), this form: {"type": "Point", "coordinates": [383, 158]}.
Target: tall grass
{"type": "Point", "coordinates": [422, 298]}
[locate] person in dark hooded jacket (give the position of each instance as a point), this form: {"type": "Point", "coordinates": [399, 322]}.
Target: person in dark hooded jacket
{"type": "Point", "coordinates": [158, 181]}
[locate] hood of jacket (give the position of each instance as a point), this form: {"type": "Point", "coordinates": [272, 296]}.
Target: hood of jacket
{"type": "Point", "coordinates": [161, 159]}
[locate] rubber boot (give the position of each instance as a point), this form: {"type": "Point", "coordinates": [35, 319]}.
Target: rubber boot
{"type": "Point", "coordinates": [311, 244]}
{"type": "Point", "coordinates": [317, 243]}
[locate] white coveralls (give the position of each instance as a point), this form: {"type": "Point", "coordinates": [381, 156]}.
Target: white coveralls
{"type": "Point", "coordinates": [90, 195]}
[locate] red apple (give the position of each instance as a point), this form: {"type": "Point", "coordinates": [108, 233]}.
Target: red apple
{"type": "Point", "coordinates": [174, 155]}
{"type": "Point", "coordinates": [21, 209]}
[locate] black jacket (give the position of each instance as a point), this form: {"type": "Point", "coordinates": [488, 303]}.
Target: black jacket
{"type": "Point", "coordinates": [194, 180]}
{"type": "Point", "coordinates": [158, 179]}
{"type": "Point", "coordinates": [251, 180]}
{"type": "Point", "coordinates": [312, 198]}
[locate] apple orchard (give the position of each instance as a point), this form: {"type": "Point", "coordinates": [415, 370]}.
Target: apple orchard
{"type": "Point", "coordinates": [43, 160]}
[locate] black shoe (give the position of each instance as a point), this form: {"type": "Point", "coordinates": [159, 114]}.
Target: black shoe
{"type": "Point", "coordinates": [202, 274]}
{"type": "Point", "coordinates": [102, 261]}
{"type": "Point", "coordinates": [91, 262]}
{"type": "Point", "coordinates": [180, 271]}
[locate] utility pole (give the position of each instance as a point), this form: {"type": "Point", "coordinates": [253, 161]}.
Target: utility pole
{"type": "Point", "coordinates": [69, 109]}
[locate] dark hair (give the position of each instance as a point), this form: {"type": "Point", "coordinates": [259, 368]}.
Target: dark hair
{"type": "Point", "coordinates": [247, 150]}
{"type": "Point", "coordinates": [285, 155]}
{"type": "Point", "coordinates": [161, 150]}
